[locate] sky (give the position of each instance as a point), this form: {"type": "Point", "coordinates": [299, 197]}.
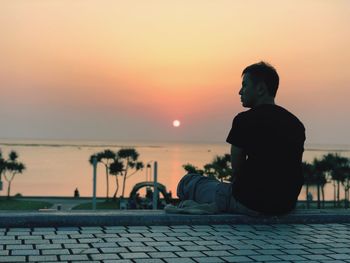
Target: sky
{"type": "Point", "coordinates": [125, 70]}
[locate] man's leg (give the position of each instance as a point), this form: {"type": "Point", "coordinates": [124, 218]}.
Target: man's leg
{"type": "Point", "coordinates": [198, 188]}
{"type": "Point", "coordinates": [202, 189]}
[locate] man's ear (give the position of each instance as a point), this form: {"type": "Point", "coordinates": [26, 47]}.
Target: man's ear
{"type": "Point", "coordinates": [262, 88]}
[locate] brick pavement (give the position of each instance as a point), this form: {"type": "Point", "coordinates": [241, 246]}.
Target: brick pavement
{"type": "Point", "coordinates": [178, 243]}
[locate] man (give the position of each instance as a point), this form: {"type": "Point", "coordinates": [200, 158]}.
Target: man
{"type": "Point", "coordinates": [267, 143]}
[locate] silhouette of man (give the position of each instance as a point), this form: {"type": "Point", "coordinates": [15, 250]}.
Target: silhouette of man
{"type": "Point", "coordinates": [267, 144]}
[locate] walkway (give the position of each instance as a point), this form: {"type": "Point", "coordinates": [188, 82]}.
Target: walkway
{"type": "Point", "coordinates": [306, 243]}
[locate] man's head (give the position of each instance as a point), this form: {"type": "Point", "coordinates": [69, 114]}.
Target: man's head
{"type": "Point", "coordinates": [259, 85]}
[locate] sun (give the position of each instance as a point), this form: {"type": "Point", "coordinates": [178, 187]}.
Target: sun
{"type": "Point", "coordinates": [176, 123]}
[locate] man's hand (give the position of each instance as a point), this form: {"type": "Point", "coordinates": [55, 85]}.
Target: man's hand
{"type": "Point", "coordinates": [238, 157]}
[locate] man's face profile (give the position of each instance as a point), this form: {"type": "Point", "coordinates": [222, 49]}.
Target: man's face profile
{"type": "Point", "coordinates": [248, 92]}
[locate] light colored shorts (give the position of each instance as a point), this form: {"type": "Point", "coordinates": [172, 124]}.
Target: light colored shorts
{"type": "Point", "coordinates": [202, 189]}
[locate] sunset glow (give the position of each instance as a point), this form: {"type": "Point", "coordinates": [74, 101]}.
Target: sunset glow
{"type": "Point", "coordinates": [176, 123]}
{"type": "Point", "coordinates": [123, 69]}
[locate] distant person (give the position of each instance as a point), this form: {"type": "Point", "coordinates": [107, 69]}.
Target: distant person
{"type": "Point", "coordinates": [267, 144]}
{"type": "Point", "coordinates": [76, 193]}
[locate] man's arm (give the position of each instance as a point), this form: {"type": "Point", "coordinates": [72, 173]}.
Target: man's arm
{"type": "Point", "coordinates": [238, 157]}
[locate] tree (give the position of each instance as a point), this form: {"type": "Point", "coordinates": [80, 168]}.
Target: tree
{"type": "Point", "coordinates": [191, 169]}
{"type": "Point", "coordinates": [116, 168]}
{"type": "Point", "coordinates": [105, 157]}
{"type": "Point", "coordinates": [219, 168]}
{"type": "Point", "coordinates": [346, 183]}
{"type": "Point", "coordinates": [12, 167]}
{"type": "Point", "coordinates": [320, 168]}
{"type": "Point", "coordinates": [309, 179]}
{"type": "Point", "coordinates": [2, 166]}
{"type": "Point", "coordinates": [128, 157]}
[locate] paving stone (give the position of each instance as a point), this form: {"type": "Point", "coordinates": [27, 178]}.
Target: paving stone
{"type": "Point", "coordinates": [244, 252]}
{"type": "Point", "coordinates": [179, 260]}
{"type": "Point", "coordinates": [114, 250]}
{"type": "Point", "coordinates": [63, 241]}
{"type": "Point", "coordinates": [207, 243]}
{"type": "Point", "coordinates": [339, 256]}
{"type": "Point", "coordinates": [269, 252]}
{"type": "Point", "coordinates": [190, 254]}
{"type": "Point", "coordinates": [290, 257]}
{"type": "Point", "coordinates": [75, 245]}
{"type": "Point", "coordinates": [130, 244]}
{"type": "Point", "coordinates": [74, 257]}
{"type": "Point", "coordinates": [50, 246]}
{"type": "Point", "coordinates": [80, 236]}
{"type": "Point", "coordinates": [182, 243]}
{"type": "Point", "coordinates": [85, 251]}
{"type": "Point", "coordinates": [149, 260]}
{"type": "Point", "coordinates": [162, 255]}
{"type": "Point", "coordinates": [115, 261]}
{"type": "Point", "coordinates": [12, 259]}
{"type": "Point", "coordinates": [154, 234]}
{"type": "Point", "coordinates": [169, 248]}
{"type": "Point", "coordinates": [218, 253]}
{"type": "Point", "coordinates": [266, 258]}
{"type": "Point", "coordinates": [38, 241]}
{"type": "Point", "coordinates": [30, 237]}
{"type": "Point", "coordinates": [10, 242]}
{"type": "Point", "coordinates": [295, 251]}
{"type": "Point", "coordinates": [55, 252]}
{"type": "Point", "coordinates": [45, 258]}
{"type": "Point", "coordinates": [237, 259]}
{"type": "Point", "coordinates": [195, 248]}
{"type": "Point", "coordinates": [104, 256]}
{"type": "Point", "coordinates": [190, 238]}
{"type": "Point", "coordinates": [159, 244]}
{"type": "Point", "coordinates": [317, 257]}
{"type": "Point", "coordinates": [134, 255]}
{"type": "Point", "coordinates": [4, 252]}
{"type": "Point", "coordinates": [142, 249]}
{"type": "Point", "coordinates": [209, 260]}
{"type": "Point", "coordinates": [25, 252]}
{"type": "Point", "coordinates": [141, 239]}
{"type": "Point", "coordinates": [107, 244]}
{"type": "Point", "coordinates": [345, 250]}
{"type": "Point", "coordinates": [90, 240]}
{"type": "Point", "coordinates": [19, 247]}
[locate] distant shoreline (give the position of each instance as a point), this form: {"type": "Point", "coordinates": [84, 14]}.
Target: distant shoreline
{"type": "Point", "coordinates": [323, 148]}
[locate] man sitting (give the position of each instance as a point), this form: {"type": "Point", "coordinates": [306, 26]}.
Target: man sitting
{"type": "Point", "coordinates": [267, 144]}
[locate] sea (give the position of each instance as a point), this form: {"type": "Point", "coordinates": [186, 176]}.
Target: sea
{"type": "Point", "coordinates": [58, 167]}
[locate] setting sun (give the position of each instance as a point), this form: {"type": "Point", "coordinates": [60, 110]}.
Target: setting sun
{"type": "Point", "coordinates": [176, 123]}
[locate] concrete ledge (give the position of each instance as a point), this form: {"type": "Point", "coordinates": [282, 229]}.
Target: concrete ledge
{"type": "Point", "coordinates": [159, 217]}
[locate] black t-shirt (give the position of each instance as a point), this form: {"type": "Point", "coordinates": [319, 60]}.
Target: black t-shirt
{"type": "Point", "coordinates": [271, 177]}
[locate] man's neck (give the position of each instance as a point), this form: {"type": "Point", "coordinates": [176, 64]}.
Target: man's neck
{"type": "Point", "coordinates": [268, 100]}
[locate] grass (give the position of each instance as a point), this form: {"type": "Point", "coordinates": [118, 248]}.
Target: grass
{"type": "Point", "coordinates": [15, 204]}
{"type": "Point", "coordinates": [99, 205]}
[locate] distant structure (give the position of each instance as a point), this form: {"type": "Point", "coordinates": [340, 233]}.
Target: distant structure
{"type": "Point", "coordinates": [134, 197]}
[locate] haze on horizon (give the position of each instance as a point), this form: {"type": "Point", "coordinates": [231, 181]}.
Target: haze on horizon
{"type": "Point", "coordinates": [125, 70]}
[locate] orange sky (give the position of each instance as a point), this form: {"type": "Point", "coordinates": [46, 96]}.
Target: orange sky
{"type": "Point", "coordinates": [127, 69]}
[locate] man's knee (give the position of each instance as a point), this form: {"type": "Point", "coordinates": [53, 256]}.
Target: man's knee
{"type": "Point", "coordinates": [186, 185]}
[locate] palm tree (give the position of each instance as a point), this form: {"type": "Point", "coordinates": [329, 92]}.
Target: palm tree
{"type": "Point", "coordinates": [2, 168]}
{"type": "Point", "coordinates": [13, 167]}
{"type": "Point", "coordinates": [334, 164]}
{"type": "Point", "coordinates": [105, 157]}
{"type": "Point", "coordinates": [129, 159]}
{"type": "Point", "coordinates": [219, 168]}
{"type": "Point", "coordinates": [320, 168]}
{"type": "Point", "coordinates": [191, 169]}
{"type": "Point", "coordinates": [346, 183]}
{"type": "Point", "coordinates": [116, 168]}
{"type": "Point", "coordinates": [309, 179]}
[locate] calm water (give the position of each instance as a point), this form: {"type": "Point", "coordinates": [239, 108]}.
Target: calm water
{"type": "Point", "coordinates": [56, 168]}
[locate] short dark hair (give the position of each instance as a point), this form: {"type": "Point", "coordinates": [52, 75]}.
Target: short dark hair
{"type": "Point", "coordinates": [264, 72]}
